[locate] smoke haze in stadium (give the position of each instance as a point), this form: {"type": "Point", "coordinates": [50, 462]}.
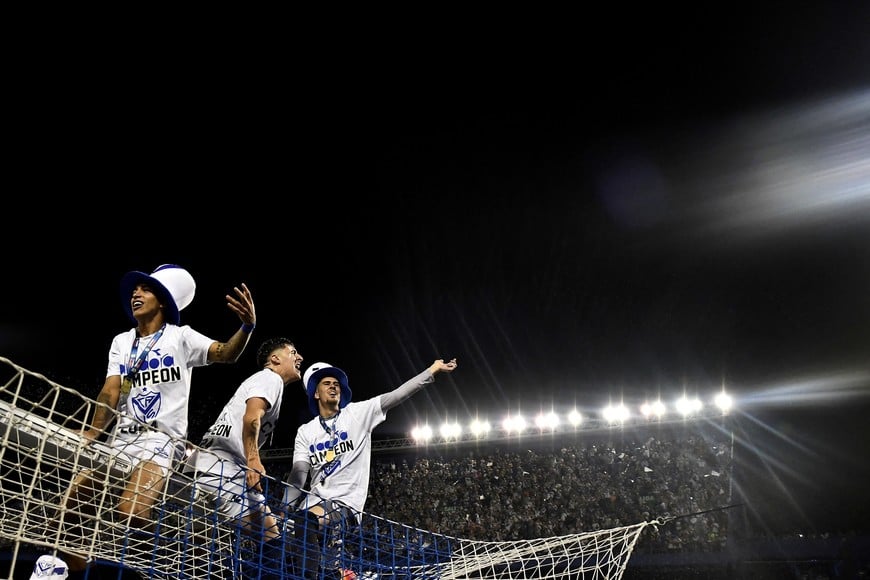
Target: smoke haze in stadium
{"type": "Point", "coordinates": [575, 222]}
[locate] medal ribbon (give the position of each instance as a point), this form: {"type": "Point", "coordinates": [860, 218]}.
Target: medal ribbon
{"type": "Point", "coordinates": [135, 363]}
{"type": "Point", "coordinates": [333, 436]}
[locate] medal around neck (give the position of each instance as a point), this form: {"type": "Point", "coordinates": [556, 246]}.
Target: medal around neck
{"type": "Point", "coordinates": [126, 385]}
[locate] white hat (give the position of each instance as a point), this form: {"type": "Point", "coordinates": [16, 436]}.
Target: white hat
{"type": "Point", "coordinates": [49, 567]}
{"type": "Point", "coordinates": [172, 283]}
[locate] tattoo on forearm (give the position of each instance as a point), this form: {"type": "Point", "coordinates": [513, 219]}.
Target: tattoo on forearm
{"type": "Point", "coordinates": [101, 417]}
{"type": "Point", "coordinates": [252, 440]}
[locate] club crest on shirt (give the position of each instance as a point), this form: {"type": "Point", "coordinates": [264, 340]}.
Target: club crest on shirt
{"type": "Point", "coordinates": [146, 405]}
{"type": "Point", "coordinates": [44, 568]}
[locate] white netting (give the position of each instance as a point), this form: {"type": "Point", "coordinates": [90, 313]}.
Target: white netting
{"type": "Point", "coordinates": [41, 452]}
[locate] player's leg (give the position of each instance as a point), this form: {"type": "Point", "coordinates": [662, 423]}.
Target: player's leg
{"type": "Point", "coordinates": [261, 524]}
{"type": "Point", "coordinates": [337, 523]}
{"type": "Point", "coordinates": [308, 545]}
{"type": "Point", "coordinates": [73, 506]}
{"type": "Point", "coordinates": [156, 453]}
{"type": "Point", "coordinates": [144, 488]}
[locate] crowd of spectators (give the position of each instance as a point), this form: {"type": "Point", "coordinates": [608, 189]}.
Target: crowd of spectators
{"type": "Point", "coordinates": [509, 492]}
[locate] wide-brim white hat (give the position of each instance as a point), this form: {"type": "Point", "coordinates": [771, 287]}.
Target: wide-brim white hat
{"type": "Point", "coordinates": [173, 284]}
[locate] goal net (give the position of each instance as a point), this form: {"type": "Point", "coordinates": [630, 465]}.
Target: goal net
{"type": "Point", "coordinates": [42, 451]}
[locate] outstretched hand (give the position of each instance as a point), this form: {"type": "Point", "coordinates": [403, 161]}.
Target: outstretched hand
{"type": "Point", "coordinates": [439, 366]}
{"type": "Point", "coordinates": [243, 305]}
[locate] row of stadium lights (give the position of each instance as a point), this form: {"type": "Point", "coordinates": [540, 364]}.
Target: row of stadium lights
{"type": "Point", "coordinates": [547, 422]}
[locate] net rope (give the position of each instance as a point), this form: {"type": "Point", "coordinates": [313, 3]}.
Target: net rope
{"type": "Point", "coordinates": [41, 451]}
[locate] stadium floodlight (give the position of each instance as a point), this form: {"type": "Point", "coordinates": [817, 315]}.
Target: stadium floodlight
{"type": "Point", "coordinates": [575, 418]}
{"type": "Point", "coordinates": [686, 406]}
{"type": "Point", "coordinates": [450, 430]}
{"type": "Point", "coordinates": [515, 424]}
{"type": "Point", "coordinates": [716, 402]}
{"type": "Point", "coordinates": [723, 402]}
{"type": "Point", "coordinates": [547, 422]}
{"type": "Point", "coordinates": [479, 427]}
{"type": "Point", "coordinates": [422, 434]}
{"type": "Point", "coordinates": [654, 410]}
{"type": "Point", "coordinates": [616, 413]}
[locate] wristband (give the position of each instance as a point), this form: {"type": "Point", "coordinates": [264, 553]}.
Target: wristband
{"type": "Point", "coordinates": [248, 328]}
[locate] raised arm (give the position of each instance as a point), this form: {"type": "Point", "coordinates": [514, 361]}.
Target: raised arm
{"type": "Point", "coordinates": [408, 388]}
{"type": "Point", "coordinates": [231, 350]}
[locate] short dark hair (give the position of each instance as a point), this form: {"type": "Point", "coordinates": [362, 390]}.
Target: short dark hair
{"type": "Point", "coordinates": [270, 345]}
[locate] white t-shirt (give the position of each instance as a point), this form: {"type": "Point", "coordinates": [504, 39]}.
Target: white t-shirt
{"type": "Point", "coordinates": [339, 452]}
{"type": "Point", "coordinates": [224, 437]}
{"type": "Point", "coordinates": [161, 392]}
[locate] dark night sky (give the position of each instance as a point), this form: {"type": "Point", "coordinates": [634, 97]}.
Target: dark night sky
{"type": "Point", "coordinates": [681, 206]}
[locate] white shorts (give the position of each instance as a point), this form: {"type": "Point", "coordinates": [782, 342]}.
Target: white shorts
{"type": "Point", "coordinates": [233, 498]}
{"type": "Point", "coordinates": [154, 446]}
